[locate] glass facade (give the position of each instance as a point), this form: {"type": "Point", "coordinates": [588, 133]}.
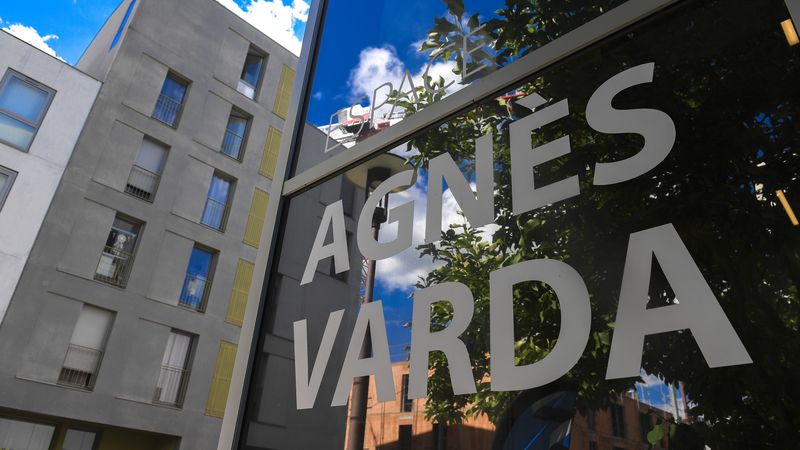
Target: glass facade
{"type": "Point", "coordinates": [599, 254]}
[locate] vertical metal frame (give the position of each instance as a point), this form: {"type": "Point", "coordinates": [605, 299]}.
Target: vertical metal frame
{"type": "Point", "coordinates": [233, 421]}
{"type": "Point", "coordinates": [51, 93]}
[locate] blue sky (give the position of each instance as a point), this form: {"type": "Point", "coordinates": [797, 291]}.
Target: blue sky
{"type": "Point", "coordinates": [64, 28]}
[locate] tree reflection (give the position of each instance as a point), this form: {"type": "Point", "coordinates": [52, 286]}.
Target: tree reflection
{"type": "Point", "coordinates": [728, 80]}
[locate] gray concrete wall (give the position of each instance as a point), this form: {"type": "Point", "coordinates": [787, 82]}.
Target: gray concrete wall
{"type": "Point", "coordinates": [197, 40]}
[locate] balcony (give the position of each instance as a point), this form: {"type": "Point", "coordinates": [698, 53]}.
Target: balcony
{"type": "Point", "coordinates": [195, 292]}
{"type": "Point", "coordinates": [214, 214]}
{"type": "Point", "coordinates": [142, 183]}
{"type": "Point", "coordinates": [80, 366]}
{"type": "Point", "coordinates": [114, 266]}
{"type": "Point", "coordinates": [167, 110]}
{"type": "Point", "coordinates": [232, 144]}
{"type": "Point", "coordinates": [171, 386]}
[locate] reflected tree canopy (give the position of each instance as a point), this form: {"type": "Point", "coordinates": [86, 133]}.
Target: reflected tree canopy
{"type": "Point", "coordinates": [727, 78]}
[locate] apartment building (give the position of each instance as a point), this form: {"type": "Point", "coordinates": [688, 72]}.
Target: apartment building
{"type": "Point", "coordinates": [44, 103]}
{"type": "Point", "coordinates": [124, 327]}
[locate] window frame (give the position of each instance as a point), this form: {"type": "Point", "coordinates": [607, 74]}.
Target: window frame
{"type": "Point", "coordinates": [187, 371]}
{"type": "Point", "coordinates": [6, 190]}
{"type": "Point", "coordinates": [209, 281]}
{"type": "Point", "coordinates": [51, 93]}
{"type": "Point", "coordinates": [228, 202]}
{"type": "Point", "coordinates": [239, 114]}
{"type": "Point", "coordinates": [253, 50]}
{"type": "Point", "coordinates": [129, 269]}
{"type": "Point", "coordinates": [179, 114]}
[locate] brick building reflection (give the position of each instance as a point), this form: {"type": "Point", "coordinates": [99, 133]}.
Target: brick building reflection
{"type": "Point", "coordinates": [401, 425]}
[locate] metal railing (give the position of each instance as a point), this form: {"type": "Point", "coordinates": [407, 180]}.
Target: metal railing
{"type": "Point", "coordinates": [214, 214]}
{"type": "Point", "coordinates": [113, 267]}
{"type": "Point", "coordinates": [167, 110]}
{"type": "Point", "coordinates": [195, 292]}
{"type": "Point", "coordinates": [80, 365]}
{"type": "Point", "coordinates": [171, 386]}
{"type": "Point", "coordinates": [142, 183]}
{"type": "Point", "coordinates": [232, 144]}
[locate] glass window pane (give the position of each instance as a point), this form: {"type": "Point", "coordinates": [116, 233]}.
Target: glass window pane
{"type": "Point", "coordinates": [252, 69]}
{"type": "Point", "coordinates": [237, 125]}
{"type": "Point", "coordinates": [219, 189]}
{"type": "Point", "coordinates": [3, 181]}
{"type": "Point", "coordinates": [174, 89]}
{"type": "Point", "coordinates": [708, 221]}
{"type": "Point", "coordinates": [123, 235]}
{"type": "Point", "coordinates": [200, 263]}
{"type": "Point", "coordinates": [23, 99]}
{"type": "Point", "coordinates": [19, 435]}
{"type": "Point", "coordinates": [15, 132]}
{"type": "Point", "coordinates": [78, 440]}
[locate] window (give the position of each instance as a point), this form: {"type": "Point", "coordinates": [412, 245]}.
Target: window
{"type": "Point", "coordinates": [86, 347]}
{"type": "Point", "coordinates": [197, 283]}
{"type": "Point", "coordinates": [405, 437]}
{"type": "Point", "coordinates": [170, 101]}
{"type": "Point", "coordinates": [78, 440]}
{"type": "Point", "coordinates": [117, 256]}
{"type": "Point", "coordinates": [251, 73]}
{"type": "Point", "coordinates": [216, 210]}
{"type": "Point", "coordinates": [235, 132]}
{"type": "Point", "coordinates": [7, 177]}
{"type": "Point", "coordinates": [122, 25]}
{"type": "Point", "coordinates": [19, 435]}
{"type": "Point", "coordinates": [146, 171]}
{"type": "Point", "coordinates": [23, 104]}
{"type": "Point", "coordinates": [618, 420]}
{"type": "Point", "coordinates": [644, 422]}
{"type": "Point", "coordinates": [408, 403]}
{"type": "Point", "coordinates": [174, 375]}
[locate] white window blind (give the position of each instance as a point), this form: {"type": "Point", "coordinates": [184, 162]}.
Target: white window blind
{"type": "Point", "coordinates": [18, 435]}
{"type": "Point", "coordinates": [88, 339]}
{"type": "Point", "coordinates": [151, 156]}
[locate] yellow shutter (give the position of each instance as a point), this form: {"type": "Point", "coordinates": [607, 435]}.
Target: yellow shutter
{"type": "Point", "coordinates": [239, 293]}
{"type": "Point", "coordinates": [221, 381]}
{"type": "Point", "coordinates": [270, 156]}
{"type": "Point", "coordinates": [255, 221]}
{"type": "Point", "coordinates": [285, 85]}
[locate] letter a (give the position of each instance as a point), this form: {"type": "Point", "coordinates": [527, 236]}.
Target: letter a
{"type": "Point", "coordinates": [698, 310]}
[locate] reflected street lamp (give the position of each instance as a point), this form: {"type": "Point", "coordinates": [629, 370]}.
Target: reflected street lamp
{"type": "Point", "coordinates": [369, 176]}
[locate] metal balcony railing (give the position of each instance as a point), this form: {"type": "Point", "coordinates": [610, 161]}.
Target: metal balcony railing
{"type": "Point", "coordinates": [232, 144]}
{"type": "Point", "coordinates": [113, 267]}
{"type": "Point", "coordinates": [171, 386]}
{"type": "Point", "coordinates": [167, 110]}
{"type": "Point", "coordinates": [195, 292]}
{"type": "Point", "coordinates": [80, 366]}
{"type": "Point", "coordinates": [214, 214]}
{"type": "Point", "coordinates": [142, 183]}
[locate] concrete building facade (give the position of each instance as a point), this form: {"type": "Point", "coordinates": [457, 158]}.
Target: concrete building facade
{"type": "Point", "coordinates": [135, 291]}
{"type": "Point", "coordinates": [31, 166]}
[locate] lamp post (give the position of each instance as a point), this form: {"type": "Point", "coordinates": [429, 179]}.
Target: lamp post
{"type": "Point", "coordinates": [369, 176]}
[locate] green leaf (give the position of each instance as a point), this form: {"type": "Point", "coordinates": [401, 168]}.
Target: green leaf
{"type": "Point", "coordinates": [456, 7]}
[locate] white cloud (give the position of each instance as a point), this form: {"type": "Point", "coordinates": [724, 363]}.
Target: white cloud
{"type": "Point", "coordinates": [32, 36]}
{"type": "Point", "coordinates": [402, 271]}
{"type": "Point", "coordinates": [274, 18]}
{"type": "Point", "coordinates": [379, 65]}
